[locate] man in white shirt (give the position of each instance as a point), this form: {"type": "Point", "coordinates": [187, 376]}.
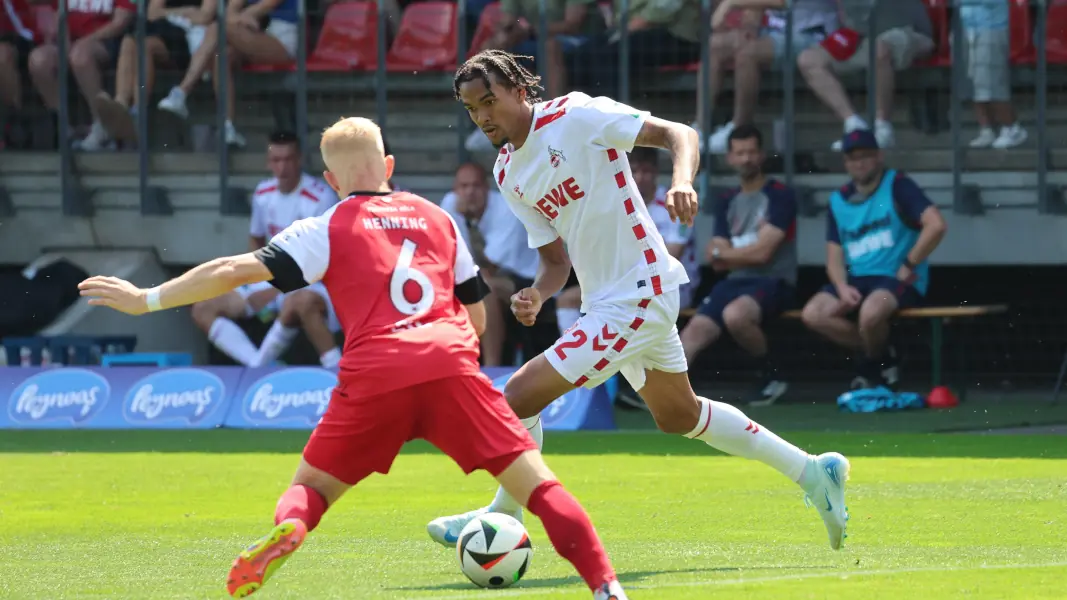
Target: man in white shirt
{"type": "Point", "coordinates": [498, 242]}
{"type": "Point", "coordinates": [288, 196]}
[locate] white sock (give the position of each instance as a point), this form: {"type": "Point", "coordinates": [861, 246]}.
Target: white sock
{"type": "Point", "coordinates": [331, 358]}
{"type": "Point", "coordinates": [503, 502]}
{"type": "Point", "coordinates": [231, 339]}
{"type": "Point", "coordinates": [726, 428]}
{"type": "Point", "coordinates": [567, 317]}
{"type": "Point", "coordinates": [274, 344]}
{"type": "Point", "coordinates": [855, 122]}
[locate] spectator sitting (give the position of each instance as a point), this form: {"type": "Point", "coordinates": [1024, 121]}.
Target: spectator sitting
{"type": "Point", "coordinates": [660, 34]}
{"type": "Point", "coordinates": [755, 240]}
{"type": "Point", "coordinates": [880, 230]}
{"type": "Point", "coordinates": [16, 43]}
{"type": "Point", "coordinates": [813, 20]}
{"type": "Point", "coordinates": [174, 30]}
{"type": "Point", "coordinates": [498, 243]}
{"type": "Point", "coordinates": [570, 24]}
{"type": "Point", "coordinates": [95, 28]}
{"type": "Point", "coordinates": [903, 34]}
{"type": "Point", "coordinates": [986, 53]}
{"type": "Point", "coordinates": [261, 32]}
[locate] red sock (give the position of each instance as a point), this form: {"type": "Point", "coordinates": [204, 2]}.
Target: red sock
{"type": "Point", "coordinates": [571, 532]}
{"type": "Point", "coordinates": [301, 502]}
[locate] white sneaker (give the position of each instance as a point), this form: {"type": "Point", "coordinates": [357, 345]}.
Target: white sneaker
{"type": "Point", "coordinates": [477, 142]}
{"type": "Point", "coordinates": [174, 103]}
{"type": "Point", "coordinates": [610, 591]}
{"type": "Point", "coordinates": [445, 530]}
{"type": "Point", "coordinates": [1010, 137]}
{"type": "Point", "coordinates": [97, 140]}
{"type": "Point", "coordinates": [828, 495]}
{"type": "Point", "coordinates": [985, 138]}
{"type": "Point", "coordinates": [719, 141]}
{"type": "Point", "coordinates": [883, 132]}
{"type": "Point", "coordinates": [232, 137]}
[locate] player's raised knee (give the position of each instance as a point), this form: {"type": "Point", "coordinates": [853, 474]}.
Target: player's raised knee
{"type": "Point", "coordinates": [204, 314]}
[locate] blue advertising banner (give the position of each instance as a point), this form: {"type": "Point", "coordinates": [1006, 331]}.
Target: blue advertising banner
{"type": "Point", "coordinates": [207, 397]}
{"type": "Point", "coordinates": [281, 398]}
{"type": "Point", "coordinates": [578, 409]}
{"type": "Point", "coordinates": [116, 398]}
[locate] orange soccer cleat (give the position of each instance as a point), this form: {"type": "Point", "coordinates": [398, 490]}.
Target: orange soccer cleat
{"type": "Point", "coordinates": [254, 566]}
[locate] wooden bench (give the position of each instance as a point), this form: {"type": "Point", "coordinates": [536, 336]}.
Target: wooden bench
{"type": "Point", "coordinates": [938, 316]}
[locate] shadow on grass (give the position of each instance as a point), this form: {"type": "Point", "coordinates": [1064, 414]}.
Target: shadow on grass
{"type": "Point", "coordinates": [631, 578]}
{"type": "Point", "coordinates": [235, 441]}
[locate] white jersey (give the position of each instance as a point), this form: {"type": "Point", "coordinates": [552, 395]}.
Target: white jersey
{"type": "Point", "coordinates": [572, 180]}
{"type": "Point", "coordinates": [676, 233]}
{"type": "Point", "coordinates": [273, 211]}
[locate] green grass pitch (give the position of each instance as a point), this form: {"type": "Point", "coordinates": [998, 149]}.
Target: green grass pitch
{"type": "Point", "coordinates": [114, 515]}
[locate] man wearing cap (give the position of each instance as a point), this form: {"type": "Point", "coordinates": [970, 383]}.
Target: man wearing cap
{"type": "Point", "coordinates": [880, 230]}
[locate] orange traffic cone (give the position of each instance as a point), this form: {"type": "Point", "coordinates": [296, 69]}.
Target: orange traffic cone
{"type": "Point", "coordinates": [942, 397]}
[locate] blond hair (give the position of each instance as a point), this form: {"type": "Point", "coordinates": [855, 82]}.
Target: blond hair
{"type": "Point", "coordinates": [352, 143]}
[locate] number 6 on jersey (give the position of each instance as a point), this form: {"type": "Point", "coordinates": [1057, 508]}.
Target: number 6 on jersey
{"type": "Point", "coordinates": [408, 299]}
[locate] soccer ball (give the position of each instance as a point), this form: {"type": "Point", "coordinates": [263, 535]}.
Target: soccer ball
{"type": "Point", "coordinates": [494, 550]}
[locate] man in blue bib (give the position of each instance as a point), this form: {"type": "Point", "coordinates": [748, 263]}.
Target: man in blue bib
{"type": "Point", "coordinates": [880, 230]}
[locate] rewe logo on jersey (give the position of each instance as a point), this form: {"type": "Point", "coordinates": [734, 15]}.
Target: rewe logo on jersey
{"type": "Point", "coordinates": [187, 395]}
{"type": "Point", "coordinates": [67, 394]}
{"type": "Point", "coordinates": [299, 394]}
{"type": "Point", "coordinates": [559, 197]}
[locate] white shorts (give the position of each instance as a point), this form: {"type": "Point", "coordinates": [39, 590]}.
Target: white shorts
{"type": "Point", "coordinates": [286, 33]}
{"type": "Point", "coordinates": [254, 288]}
{"type": "Point", "coordinates": [627, 337]}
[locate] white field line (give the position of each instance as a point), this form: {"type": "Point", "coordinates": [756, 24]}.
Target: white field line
{"type": "Point", "coordinates": [770, 579]}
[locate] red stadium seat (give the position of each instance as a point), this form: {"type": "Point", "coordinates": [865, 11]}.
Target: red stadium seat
{"type": "Point", "coordinates": [939, 19]}
{"type": "Point", "coordinates": [348, 42]}
{"type": "Point", "coordinates": [426, 40]}
{"type": "Point", "coordinates": [349, 38]}
{"type": "Point", "coordinates": [1056, 32]}
{"type": "Point", "coordinates": [487, 24]}
{"type": "Point", "coordinates": [1022, 32]}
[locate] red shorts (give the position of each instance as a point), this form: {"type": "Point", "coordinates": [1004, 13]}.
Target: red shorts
{"type": "Point", "coordinates": [464, 416]}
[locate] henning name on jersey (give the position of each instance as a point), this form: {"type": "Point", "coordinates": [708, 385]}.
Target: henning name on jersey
{"type": "Point", "coordinates": [395, 223]}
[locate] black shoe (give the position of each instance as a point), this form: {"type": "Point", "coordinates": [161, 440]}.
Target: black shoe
{"type": "Point", "coordinates": [630, 399]}
{"type": "Point", "coordinates": [890, 368]}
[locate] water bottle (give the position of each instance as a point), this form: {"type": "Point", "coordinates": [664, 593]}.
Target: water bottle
{"type": "Point", "coordinates": [46, 357]}
{"type": "Point", "coordinates": [3, 357]}
{"type": "Point", "coordinates": [72, 357]}
{"type": "Point", "coordinates": [94, 354]}
{"type": "Point", "coordinates": [25, 356]}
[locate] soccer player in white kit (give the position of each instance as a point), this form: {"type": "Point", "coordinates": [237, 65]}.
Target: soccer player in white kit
{"type": "Point", "coordinates": [563, 169]}
{"type": "Point", "coordinates": [278, 202]}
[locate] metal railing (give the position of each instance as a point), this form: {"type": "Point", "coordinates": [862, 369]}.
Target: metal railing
{"type": "Point", "coordinates": [632, 87]}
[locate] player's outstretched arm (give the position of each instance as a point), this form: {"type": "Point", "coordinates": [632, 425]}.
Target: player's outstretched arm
{"type": "Point", "coordinates": [684, 145]}
{"type": "Point", "coordinates": [209, 280]}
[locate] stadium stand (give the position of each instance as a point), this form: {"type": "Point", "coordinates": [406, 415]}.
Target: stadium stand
{"type": "Point", "coordinates": [984, 193]}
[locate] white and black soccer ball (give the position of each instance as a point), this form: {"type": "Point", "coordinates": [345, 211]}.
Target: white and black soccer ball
{"type": "Point", "coordinates": [494, 550]}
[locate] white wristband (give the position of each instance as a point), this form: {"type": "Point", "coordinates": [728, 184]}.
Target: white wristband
{"type": "Point", "coordinates": [152, 298]}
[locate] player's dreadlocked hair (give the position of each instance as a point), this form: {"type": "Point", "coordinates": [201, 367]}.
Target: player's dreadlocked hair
{"type": "Point", "coordinates": [505, 66]}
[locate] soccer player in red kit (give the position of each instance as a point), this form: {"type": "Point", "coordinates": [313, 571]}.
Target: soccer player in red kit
{"type": "Point", "coordinates": [400, 276]}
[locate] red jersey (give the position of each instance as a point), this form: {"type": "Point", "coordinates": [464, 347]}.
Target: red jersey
{"type": "Point", "coordinates": [393, 265]}
{"type": "Point", "coordinates": [16, 18]}
{"type": "Point", "coordinates": [86, 16]}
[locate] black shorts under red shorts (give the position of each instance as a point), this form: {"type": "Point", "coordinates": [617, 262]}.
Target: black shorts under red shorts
{"type": "Point", "coordinates": [464, 416]}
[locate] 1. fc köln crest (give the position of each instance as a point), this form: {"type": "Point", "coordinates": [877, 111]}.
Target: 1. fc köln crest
{"type": "Point", "coordinates": [555, 157]}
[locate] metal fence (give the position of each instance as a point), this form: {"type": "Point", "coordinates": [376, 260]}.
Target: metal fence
{"type": "Point", "coordinates": [784, 87]}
